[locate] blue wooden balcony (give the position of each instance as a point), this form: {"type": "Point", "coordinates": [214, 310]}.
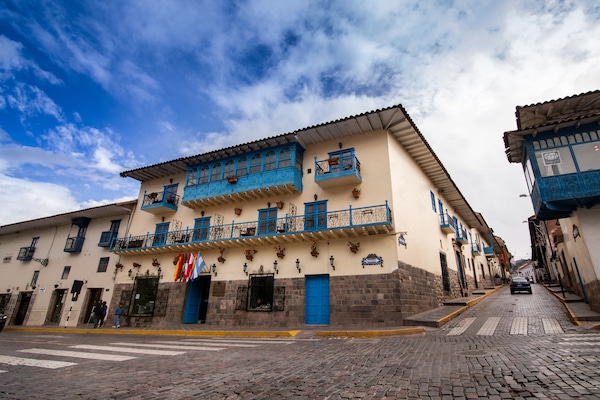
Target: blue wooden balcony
{"type": "Point", "coordinates": [74, 244]}
{"type": "Point", "coordinates": [337, 171]}
{"type": "Point", "coordinates": [26, 253]}
{"type": "Point", "coordinates": [106, 238]}
{"type": "Point", "coordinates": [475, 249]}
{"type": "Point", "coordinates": [461, 236]}
{"type": "Point", "coordinates": [351, 222]}
{"type": "Point", "coordinates": [279, 181]}
{"type": "Point", "coordinates": [556, 197]}
{"type": "Point", "coordinates": [489, 252]}
{"type": "Point", "coordinates": [159, 202]}
{"type": "Point", "coordinates": [447, 223]}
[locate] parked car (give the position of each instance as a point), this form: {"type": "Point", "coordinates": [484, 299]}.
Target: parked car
{"type": "Point", "coordinates": [519, 284]}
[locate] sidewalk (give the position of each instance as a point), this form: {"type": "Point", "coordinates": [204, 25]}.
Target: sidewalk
{"type": "Point", "coordinates": [578, 310]}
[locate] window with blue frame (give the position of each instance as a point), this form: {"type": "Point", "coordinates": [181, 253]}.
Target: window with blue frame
{"type": "Point", "coordinates": [204, 173]}
{"type": "Point", "coordinates": [267, 221]}
{"type": "Point", "coordinates": [315, 215]}
{"type": "Point", "coordinates": [216, 172]}
{"type": "Point", "coordinates": [229, 168]}
{"type": "Point", "coordinates": [432, 201]}
{"type": "Point", "coordinates": [567, 154]}
{"type": "Point", "coordinates": [103, 264]}
{"type": "Point", "coordinates": [270, 159]}
{"type": "Point", "coordinates": [285, 158]}
{"type": "Point", "coordinates": [242, 166]}
{"type": "Point", "coordinates": [171, 193]}
{"type": "Point", "coordinates": [160, 234]}
{"type": "Point", "coordinates": [192, 176]}
{"type": "Point", "coordinates": [201, 229]}
{"type": "Point", "coordinates": [255, 163]}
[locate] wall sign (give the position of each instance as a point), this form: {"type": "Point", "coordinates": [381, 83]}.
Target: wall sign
{"type": "Point", "coordinates": [372, 259]}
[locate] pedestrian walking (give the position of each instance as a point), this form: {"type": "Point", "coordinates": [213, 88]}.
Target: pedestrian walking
{"type": "Point", "coordinates": [119, 311]}
{"type": "Point", "coordinates": [99, 313]}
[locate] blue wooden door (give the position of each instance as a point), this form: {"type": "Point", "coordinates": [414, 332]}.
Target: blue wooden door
{"type": "Point", "coordinates": [317, 300]}
{"type": "Point", "coordinates": [193, 302]}
{"type": "Point", "coordinates": [160, 234]}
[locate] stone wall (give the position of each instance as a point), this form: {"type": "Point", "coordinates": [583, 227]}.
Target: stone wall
{"type": "Point", "coordinates": [592, 290]}
{"type": "Point", "coordinates": [355, 301]}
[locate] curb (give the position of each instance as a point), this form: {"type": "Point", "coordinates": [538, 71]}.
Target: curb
{"type": "Point", "coordinates": [470, 304]}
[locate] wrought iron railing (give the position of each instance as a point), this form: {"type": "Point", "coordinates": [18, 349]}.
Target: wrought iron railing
{"type": "Point", "coordinates": [447, 221]}
{"type": "Point", "coordinates": [74, 244]}
{"type": "Point", "coordinates": [326, 221]}
{"type": "Point", "coordinates": [337, 165]}
{"type": "Point", "coordinates": [156, 198]}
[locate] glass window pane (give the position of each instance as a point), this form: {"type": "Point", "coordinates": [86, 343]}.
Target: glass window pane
{"type": "Point", "coordinates": [285, 157]}
{"type": "Point", "coordinates": [255, 164]}
{"type": "Point", "coordinates": [216, 172]}
{"type": "Point", "coordinates": [242, 167]}
{"type": "Point", "coordinates": [556, 161]}
{"type": "Point", "coordinates": [203, 174]}
{"type": "Point", "coordinates": [588, 156]}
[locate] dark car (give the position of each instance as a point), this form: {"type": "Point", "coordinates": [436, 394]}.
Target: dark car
{"type": "Point", "coordinates": [519, 284]}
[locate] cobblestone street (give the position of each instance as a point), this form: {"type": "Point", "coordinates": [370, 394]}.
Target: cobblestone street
{"type": "Point", "coordinates": [506, 347]}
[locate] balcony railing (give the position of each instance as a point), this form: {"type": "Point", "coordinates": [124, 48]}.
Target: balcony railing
{"type": "Point", "coordinates": [351, 222]}
{"type": "Point", "coordinates": [447, 223]}
{"type": "Point", "coordinates": [344, 170]}
{"type": "Point", "coordinates": [475, 248]}
{"type": "Point", "coordinates": [106, 238]}
{"type": "Point", "coordinates": [461, 236]}
{"type": "Point", "coordinates": [74, 244]}
{"type": "Point", "coordinates": [157, 202]}
{"type": "Point", "coordinates": [26, 253]}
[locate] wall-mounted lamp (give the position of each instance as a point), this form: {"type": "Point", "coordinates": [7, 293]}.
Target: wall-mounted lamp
{"type": "Point", "coordinates": [269, 204]}
{"type": "Point", "coordinates": [316, 197]}
{"type": "Point", "coordinates": [130, 272]}
{"type": "Point", "coordinates": [275, 266]}
{"type": "Point", "coordinates": [8, 290]}
{"type": "Point", "coordinates": [163, 219]}
{"type": "Point", "coordinates": [246, 268]}
{"type": "Point", "coordinates": [340, 144]}
{"type": "Point", "coordinates": [202, 213]}
{"type": "Point", "coordinates": [298, 264]}
{"type": "Point", "coordinates": [214, 269]}
{"type": "Point", "coordinates": [159, 272]}
{"type": "Point", "coordinates": [331, 261]}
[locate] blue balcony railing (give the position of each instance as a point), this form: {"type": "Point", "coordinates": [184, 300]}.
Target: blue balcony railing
{"type": "Point", "coordinates": [447, 223]}
{"type": "Point", "coordinates": [461, 235]}
{"type": "Point", "coordinates": [337, 171]}
{"type": "Point", "coordinates": [475, 249]}
{"type": "Point", "coordinates": [160, 202]}
{"type": "Point", "coordinates": [74, 244]}
{"type": "Point", "coordinates": [374, 220]}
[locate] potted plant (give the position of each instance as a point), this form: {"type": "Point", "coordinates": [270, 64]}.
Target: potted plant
{"type": "Point", "coordinates": [356, 193]}
{"type": "Point", "coordinates": [353, 246]}
{"type": "Point", "coordinates": [250, 254]}
{"type": "Point", "coordinates": [313, 249]}
{"type": "Point", "coordinates": [155, 262]}
{"type": "Point", "coordinates": [221, 259]}
{"type": "Point", "coordinates": [279, 204]}
{"type": "Point", "coordinates": [232, 179]}
{"type": "Point", "coordinates": [280, 251]}
{"type": "Point", "coordinates": [119, 265]}
{"type": "Point", "coordinates": [237, 210]}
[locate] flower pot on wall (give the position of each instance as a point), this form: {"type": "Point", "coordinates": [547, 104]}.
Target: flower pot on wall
{"type": "Point", "coordinates": [232, 179]}
{"type": "Point", "coordinates": [237, 210]}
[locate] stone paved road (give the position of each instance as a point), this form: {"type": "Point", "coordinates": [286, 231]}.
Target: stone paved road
{"type": "Point", "coordinates": [474, 356]}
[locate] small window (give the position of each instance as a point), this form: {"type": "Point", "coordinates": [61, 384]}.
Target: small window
{"type": "Point", "coordinates": [192, 177]}
{"type": "Point", "coordinates": [270, 161]}
{"type": "Point", "coordinates": [255, 164]}
{"type": "Point", "coordinates": [216, 172]}
{"type": "Point", "coordinates": [102, 265]}
{"type": "Point", "coordinates": [261, 293]}
{"type": "Point", "coordinates": [34, 278]}
{"type": "Point", "coordinates": [66, 271]}
{"type": "Point", "coordinates": [432, 201]}
{"type": "Point", "coordinates": [242, 167]}
{"type": "Point", "coordinates": [229, 168]}
{"type": "Point", "coordinates": [204, 172]}
{"type": "Point", "coordinates": [285, 157]}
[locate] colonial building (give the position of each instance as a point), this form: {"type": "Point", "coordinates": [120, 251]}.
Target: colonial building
{"type": "Point", "coordinates": [558, 144]}
{"type": "Point", "coordinates": [54, 269]}
{"type": "Point", "coordinates": [353, 222]}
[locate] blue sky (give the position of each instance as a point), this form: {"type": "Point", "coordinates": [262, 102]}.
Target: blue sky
{"type": "Point", "coordinates": [89, 89]}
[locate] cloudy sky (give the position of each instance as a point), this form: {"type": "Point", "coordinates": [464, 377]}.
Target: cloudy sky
{"type": "Point", "coordinates": [89, 89]}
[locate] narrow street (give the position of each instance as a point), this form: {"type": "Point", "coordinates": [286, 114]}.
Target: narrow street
{"type": "Point", "coordinates": [506, 347]}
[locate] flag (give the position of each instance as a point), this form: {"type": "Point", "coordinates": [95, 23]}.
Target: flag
{"type": "Point", "coordinates": [189, 267]}
{"type": "Point", "coordinates": [198, 266]}
{"type": "Point", "coordinates": [178, 267]}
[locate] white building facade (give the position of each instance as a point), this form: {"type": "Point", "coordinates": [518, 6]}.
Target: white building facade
{"type": "Point", "coordinates": [353, 222]}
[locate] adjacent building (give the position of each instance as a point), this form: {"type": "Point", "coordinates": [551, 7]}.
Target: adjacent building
{"type": "Point", "coordinates": [55, 269]}
{"type": "Point", "coordinates": [558, 144]}
{"type": "Point", "coordinates": [353, 222]}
